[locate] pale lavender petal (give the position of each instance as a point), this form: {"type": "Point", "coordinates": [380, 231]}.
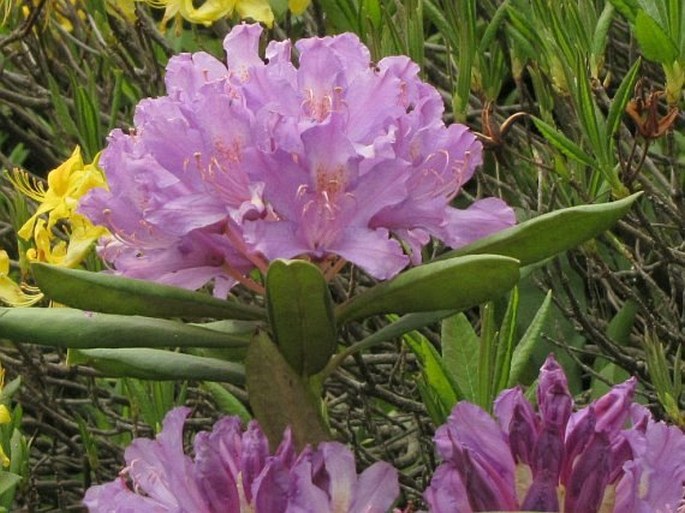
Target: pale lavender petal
{"type": "Point", "coordinates": [482, 218]}
{"type": "Point", "coordinates": [590, 476]}
{"type": "Point", "coordinates": [554, 399]}
{"type": "Point", "coordinates": [447, 493]}
{"type": "Point", "coordinates": [376, 490]}
{"type": "Point", "coordinates": [473, 439]}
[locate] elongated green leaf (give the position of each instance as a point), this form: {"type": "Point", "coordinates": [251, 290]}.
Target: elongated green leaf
{"type": "Point", "coordinates": [563, 143]}
{"type": "Point", "coordinates": [524, 349]}
{"type": "Point", "coordinates": [226, 401]}
{"type": "Point", "coordinates": [460, 349]}
{"type": "Point", "coordinates": [434, 374]}
{"type": "Point", "coordinates": [8, 480]}
{"type": "Point", "coordinates": [549, 234]}
{"type": "Point", "coordinates": [67, 327]}
{"type": "Point", "coordinates": [620, 100]}
{"type": "Point", "coordinates": [454, 284]}
{"type": "Point", "coordinates": [301, 314]}
{"type": "Point", "coordinates": [505, 343]}
{"type": "Point", "coordinates": [486, 356]}
{"type": "Point", "coordinates": [157, 364]}
{"type": "Point", "coordinates": [628, 8]}
{"type": "Point", "coordinates": [280, 398]}
{"type": "Point", "coordinates": [100, 292]}
{"type": "Point", "coordinates": [655, 43]}
{"type": "Point", "coordinates": [398, 327]}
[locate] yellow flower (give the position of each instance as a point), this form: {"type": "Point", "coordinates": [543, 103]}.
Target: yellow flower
{"type": "Point", "coordinates": [213, 10]}
{"type": "Point", "coordinates": [13, 294]}
{"type": "Point", "coordinates": [298, 6]}
{"type": "Point", "coordinates": [66, 184]}
{"type": "Point", "coordinates": [66, 254]}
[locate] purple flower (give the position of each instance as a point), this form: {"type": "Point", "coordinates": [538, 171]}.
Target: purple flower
{"type": "Point", "coordinates": [332, 159]}
{"type": "Point", "coordinates": [325, 481]}
{"type": "Point", "coordinates": [234, 472]}
{"type": "Point", "coordinates": [609, 457]}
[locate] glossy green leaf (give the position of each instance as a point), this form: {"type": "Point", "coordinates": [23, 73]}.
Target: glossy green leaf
{"type": "Point", "coordinates": [655, 43]}
{"type": "Point", "coordinates": [531, 338]}
{"type": "Point", "coordinates": [460, 349]}
{"type": "Point", "coordinates": [279, 397]}
{"type": "Point", "coordinates": [549, 234]}
{"type": "Point", "coordinates": [157, 364]}
{"type": "Point", "coordinates": [100, 292]}
{"type": "Point", "coordinates": [301, 314]}
{"type": "Point", "coordinates": [67, 327]}
{"type": "Point", "coordinates": [454, 284]}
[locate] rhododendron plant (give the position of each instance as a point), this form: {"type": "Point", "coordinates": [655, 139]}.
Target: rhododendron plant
{"type": "Point", "coordinates": [609, 457]}
{"type": "Point", "coordinates": [332, 159]}
{"type": "Point", "coordinates": [234, 472]}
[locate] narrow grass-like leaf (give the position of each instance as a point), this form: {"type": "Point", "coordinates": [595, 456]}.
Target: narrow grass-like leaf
{"type": "Point", "coordinates": [505, 343]}
{"type": "Point", "coordinates": [453, 284]}
{"type": "Point", "coordinates": [531, 338]}
{"type": "Point", "coordinates": [549, 234]}
{"type": "Point", "coordinates": [563, 143]}
{"type": "Point", "coordinates": [398, 327]}
{"type": "Point", "coordinates": [226, 401]}
{"type": "Point", "coordinates": [486, 356]}
{"type": "Point", "coordinates": [601, 32]}
{"type": "Point", "coordinates": [100, 292]}
{"type": "Point", "coordinates": [434, 373]}
{"type": "Point", "coordinates": [628, 8]}
{"type": "Point", "coordinates": [621, 98]}
{"type": "Point", "coordinates": [156, 364]}
{"type": "Point", "coordinates": [67, 327]}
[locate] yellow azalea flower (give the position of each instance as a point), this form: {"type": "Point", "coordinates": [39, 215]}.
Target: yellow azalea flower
{"type": "Point", "coordinates": [298, 6]}
{"type": "Point", "coordinates": [66, 184]}
{"type": "Point", "coordinates": [66, 254]}
{"type": "Point", "coordinates": [13, 294]}
{"type": "Point", "coordinates": [258, 10]}
{"type": "Point", "coordinates": [213, 10]}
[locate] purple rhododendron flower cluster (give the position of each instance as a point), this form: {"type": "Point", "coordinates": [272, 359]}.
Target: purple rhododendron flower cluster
{"type": "Point", "coordinates": [234, 472]}
{"type": "Point", "coordinates": [610, 457]}
{"type": "Point", "coordinates": [333, 159]}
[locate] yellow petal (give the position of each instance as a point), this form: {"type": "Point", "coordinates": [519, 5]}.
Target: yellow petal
{"type": "Point", "coordinates": [258, 10]}
{"type": "Point", "coordinates": [3, 458]}
{"type": "Point", "coordinates": [209, 12]}
{"type": "Point", "coordinates": [60, 177]}
{"type": "Point", "coordinates": [298, 6]}
{"type": "Point", "coordinates": [11, 293]}
{"type": "Point", "coordinates": [5, 416]}
{"type": "Point", "coordinates": [83, 236]}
